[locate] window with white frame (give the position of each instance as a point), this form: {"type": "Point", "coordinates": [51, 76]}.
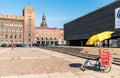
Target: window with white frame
{"type": "Point", "coordinates": [11, 25]}
{"type": "Point", "coordinates": [2, 30]}
{"type": "Point", "coordinates": [6, 24]}
{"type": "Point", "coordinates": [6, 30]}
{"type": "Point", "coordinates": [1, 24]}
{"type": "Point", "coordinates": [20, 25]}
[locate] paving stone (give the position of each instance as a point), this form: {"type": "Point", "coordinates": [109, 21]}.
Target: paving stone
{"type": "Point", "coordinates": [63, 75]}
{"type": "Point", "coordinates": [40, 63]}
{"type": "Point", "coordinates": [10, 77]}
{"type": "Point", "coordinates": [34, 76]}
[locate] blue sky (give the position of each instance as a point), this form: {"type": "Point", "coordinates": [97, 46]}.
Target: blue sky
{"type": "Point", "coordinates": [58, 12]}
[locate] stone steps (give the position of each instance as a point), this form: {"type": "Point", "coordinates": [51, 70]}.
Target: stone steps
{"type": "Point", "coordinates": [77, 52]}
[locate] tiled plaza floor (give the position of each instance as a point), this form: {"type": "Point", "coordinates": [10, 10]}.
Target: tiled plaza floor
{"type": "Point", "coordinates": [40, 63]}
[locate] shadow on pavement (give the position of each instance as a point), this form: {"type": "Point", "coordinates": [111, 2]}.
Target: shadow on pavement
{"type": "Point", "coordinates": [93, 68]}
{"type": "Point", "coordinates": [89, 68]}
{"type": "Point", "coordinates": [76, 65]}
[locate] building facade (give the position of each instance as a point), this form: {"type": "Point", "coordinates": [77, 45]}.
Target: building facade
{"type": "Point", "coordinates": [18, 29]}
{"type": "Point", "coordinates": [48, 36]}
{"type": "Point", "coordinates": [11, 29]}
{"type": "Point", "coordinates": [22, 29]}
{"type": "Point", "coordinates": [79, 30]}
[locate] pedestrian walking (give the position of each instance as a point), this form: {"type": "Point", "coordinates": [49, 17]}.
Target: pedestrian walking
{"type": "Point", "coordinates": [12, 46]}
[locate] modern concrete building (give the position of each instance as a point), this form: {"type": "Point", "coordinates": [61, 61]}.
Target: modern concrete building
{"type": "Point", "coordinates": [106, 18]}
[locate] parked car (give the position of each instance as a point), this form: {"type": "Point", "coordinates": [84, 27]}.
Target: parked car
{"type": "Point", "coordinates": [19, 45]}
{"type": "Point", "coordinates": [4, 45]}
{"type": "Point", "coordinates": [52, 45]}
{"type": "Point", "coordinates": [26, 45]}
{"type": "Point", "coordinates": [36, 45]}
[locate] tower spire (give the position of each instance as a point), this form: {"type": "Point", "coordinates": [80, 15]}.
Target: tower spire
{"type": "Point", "coordinates": [28, 3]}
{"type": "Point", "coordinates": [43, 24]}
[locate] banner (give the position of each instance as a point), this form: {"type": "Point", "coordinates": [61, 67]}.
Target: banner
{"type": "Point", "coordinates": [117, 18]}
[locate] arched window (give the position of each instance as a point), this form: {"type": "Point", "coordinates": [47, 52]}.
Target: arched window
{"type": "Point", "coordinates": [42, 38]}
{"type": "Point", "coordinates": [46, 38]}
{"type": "Point", "coordinates": [50, 38]}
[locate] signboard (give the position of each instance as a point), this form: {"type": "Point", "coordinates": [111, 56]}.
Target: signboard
{"type": "Point", "coordinates": [105, 57]}
{"type": "Point", "coordinates": [117, 17]}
